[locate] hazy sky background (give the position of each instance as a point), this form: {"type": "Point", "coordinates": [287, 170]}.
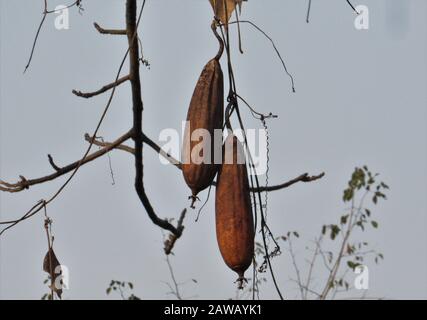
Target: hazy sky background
{"type": "Point", "coordinates": [361, 99]}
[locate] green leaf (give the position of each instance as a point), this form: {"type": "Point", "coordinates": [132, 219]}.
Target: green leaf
{"type": "Point", "coordinates": [348, 195]}
{"type": "Point", "coordinates": [352, 264]}
{"type": "Point", "coordinates": [374, 224]}
{"type": "Point", "coordinates": [344, 219]}
{"type": "Point", "coordinates": [360, 224]}
{"type": "Point", "coordinates": [335, 230]}
{"type": "Point", "coordinates": [375, 199]}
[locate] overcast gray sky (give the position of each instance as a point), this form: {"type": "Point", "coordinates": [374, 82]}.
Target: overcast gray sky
{"type": "Point", "coordinates": [361, 99]}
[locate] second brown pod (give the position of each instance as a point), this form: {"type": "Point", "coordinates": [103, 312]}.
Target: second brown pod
{"type": "Point", "coordinates": [233, 210]}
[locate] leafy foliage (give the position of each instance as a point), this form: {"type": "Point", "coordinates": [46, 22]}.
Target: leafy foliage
{"type": "Point", "coordinates": [122, 288]}
{"type": "Point", "coordinates": [343, 254]}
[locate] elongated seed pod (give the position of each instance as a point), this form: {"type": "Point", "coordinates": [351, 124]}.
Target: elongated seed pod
{"type": "Point", "coordinates": [233, 211]}
{"type": "Point", "coordinates": [205, 114]}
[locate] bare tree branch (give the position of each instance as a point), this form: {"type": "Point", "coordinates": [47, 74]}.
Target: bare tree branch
{"type": "Point", "coordinates": [100, 143]}
{"type": "Point", "coordinates": [302, 178]}
{"type": "Point", "coordinates": [52, 163]}
{"type": "Point", "coordinates": [170, 242]}
{"type": "Point", "coordinates": [26, 183]}
{"type": "Point", "coordinates": [131, 150]}
{"type": "Point", "coordinates": [102, 90]}
{"type": "Point", "coordinates": [131, 28]}
{"type": "Point", "coordinates": [175, 291]}
{"type": "Point", "coordinates": [109, 31]}
{"type": "Point", "coordinates": [310, 270]}
{"type": "Point", "coordinates": [305, 177]}
{"type": "Point", "coordinates": [297, 271]}
{"type": "Point", "coordinates": [45, 13]}
{"type": "Point", "coordinates": [118, 144]}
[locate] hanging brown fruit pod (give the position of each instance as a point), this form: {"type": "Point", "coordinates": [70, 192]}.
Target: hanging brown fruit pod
{"type": "Point", "coordinates": [205, 115]}
{"type": "Point", "coordinates": [233, 211]}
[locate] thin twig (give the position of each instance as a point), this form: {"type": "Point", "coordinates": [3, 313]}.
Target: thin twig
{"type": "Point", "coordinates": [170, 242]}
{"type": "Point", "coordinates": [176, 290]}
{"type": "Point", "coordinates": [102, 90]}
{"type": "Point", "coordinates": [37, 36]}
{"type": "Point", "coordinates": [100, 143]}
{"type": "Point", "coordinates": [52, 163]}
{"type": "Point", "coordinates": [308, 12]}
{"type": "Point", "coordinates": [274, 47]}
{"type": "Point", "coordinates": [297, 271]}
{"type": "Point", "coordinates": [302, 178]}
{"type": "Point", "coordinates": [306, 288]}
{"type": "Point", "coordinates": [336, 265]}
{"type": "Point", "coordinates": [310, 271]}
{"type": "Point", "coordinates": [351, 5]}
{"type": "Point", "coordinates": [45, 13]}
{"type": "Point", "coordinates": [121, 32]}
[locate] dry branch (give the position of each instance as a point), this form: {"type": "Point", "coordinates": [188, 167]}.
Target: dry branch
{"type": "Point", "coordinates": [26, 183]}
{"type": "Point", "coordinates": [305, 177]}
{"type": "Point", "coordinates": [302, 178]}
{"type": "Point", "coordinates": [52, 163]}
{"type": "Point", "coordinates": [102, 90]}
{"type": "Point", "coordinates": [119, 32]}
{"type": "Point", "coordinates": [132, 34]}
{"type": "Point", "coordinates": [118, 144]}
{"type": "Point", "coordinates": [100, 143]}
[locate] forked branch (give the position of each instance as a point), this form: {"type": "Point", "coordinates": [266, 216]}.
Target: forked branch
{"type": "Point", "coordinates": [132, 34]}
{"type": "Point", "coordinates": [26, 183]}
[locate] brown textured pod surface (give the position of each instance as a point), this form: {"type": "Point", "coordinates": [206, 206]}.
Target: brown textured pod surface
{"type": "Point", "coordinates": [233, 211]}
{"type": "Point", "coordinates": [205, 112]}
